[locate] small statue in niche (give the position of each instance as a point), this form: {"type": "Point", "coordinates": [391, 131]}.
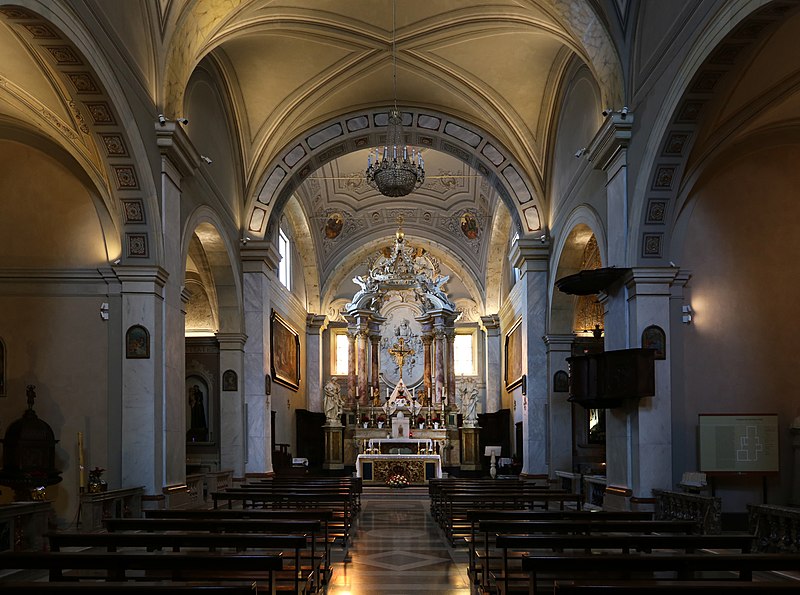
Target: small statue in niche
{"type": "Point", "coordinates": [469, 405]}
{"type": "Point", "coordinates": [198, 426]}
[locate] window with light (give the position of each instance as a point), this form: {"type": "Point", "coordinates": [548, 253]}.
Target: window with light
{"type": "Point", "coordinates": [340, 351]}
{"type": "Point", "coordinates": [463, 354]}
{"type": "Point", "coordinates": [285, 266]}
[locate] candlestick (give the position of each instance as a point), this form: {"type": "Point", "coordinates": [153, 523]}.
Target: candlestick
{"type": "Point", "coordinates": [81, 465]}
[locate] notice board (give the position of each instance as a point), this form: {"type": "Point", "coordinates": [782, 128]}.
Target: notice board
{"type": "Point", "coordinates": [738, 443]}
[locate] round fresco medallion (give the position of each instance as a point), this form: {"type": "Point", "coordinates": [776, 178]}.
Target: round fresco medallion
{"type": "Point", "coordinates": [469, 226]}
{"type": "Point", "coordinates": [333, 226]}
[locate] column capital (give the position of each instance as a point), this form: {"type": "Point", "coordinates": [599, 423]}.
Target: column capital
{"type": "Point", "coordinates": [231, 341]}
{"type": "Point", "coordinates": [316, 323]}
{"type": "Point", "coordinates": [142, 279]}
{"type": "Point", "coordinates": [491, 323]}
{"type": "Point", "coordinates": [555, 340]}
{"type": "Point", "coordinates": [650, 280]}
{"type": "Point", "coordinates": [260, 257]}
{"type": "Point", "coordinates": [612, 138]}
{"type": "Point", "coordinates": [175, 145]}
{"type": "Point", "coordinates": [530, 254]}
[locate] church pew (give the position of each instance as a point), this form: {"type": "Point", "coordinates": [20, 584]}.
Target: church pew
{"type": "Point", "coordinates": [180, 566]}
{"type": "Point", "coordinates": [702, 587]}
{"type": "Point", "coordinates": [323, 515]}
{"type": "Point", "coordinates": [311, 528]}
{"type": "Point", "coordinates": [515, 547]}
{"type": "Point", "coordinates": [178, 541]}
{"type": "Point", "coordinates": [481, 541]}
{"type": "Point", "coordinates": [126, 588]}
{"type": "Point", "coordinates": [355, 484]}
{"type": "Point", "coordinates": [612, 567]}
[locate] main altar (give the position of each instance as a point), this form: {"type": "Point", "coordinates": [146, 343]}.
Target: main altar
{"type": "Point", "coordinates": [399, 403]}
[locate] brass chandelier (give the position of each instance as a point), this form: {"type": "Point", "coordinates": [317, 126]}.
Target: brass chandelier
{"type": "Point", "coordinates": [395, 172]}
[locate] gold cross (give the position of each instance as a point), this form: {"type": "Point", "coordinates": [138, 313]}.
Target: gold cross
{"type": "Point", "coordinates": [400, 351]}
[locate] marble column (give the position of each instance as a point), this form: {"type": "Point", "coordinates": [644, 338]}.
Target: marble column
{"type": "Point", "coordinates": [493, 363]}
{"type": "Point", "coordinates": [351, 367]}
{"type": "Point", "coordinates": [559, 348]}
{"type": "Point", "coordinates": [315, 325]}
{"type": "Point", "coordinates": [450, 336]}
{"type": "Point", "coordinates": [531, 257]}
{"type": "Point", "coordinates": [259, 263]}
{"type": "Point", "coordinates": [438, 334]}
{"type": "Point", "coordinates": [375, 381]}
{"type": "Point", "coordinates": [143, 396]}
{"type": "Point", "coordinates": [231, 406]}
{"type": "Point", "coordinates": [362, 361]}
{"type": "Point", "coordinates": [427, 340]}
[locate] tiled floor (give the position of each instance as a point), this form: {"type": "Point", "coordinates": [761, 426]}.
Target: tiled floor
{"type": "Point", "coordinates": [398, 549]}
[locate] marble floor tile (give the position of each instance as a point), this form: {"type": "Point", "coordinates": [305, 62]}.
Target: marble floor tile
{"type": "Point", "coordinates": [397, 548]}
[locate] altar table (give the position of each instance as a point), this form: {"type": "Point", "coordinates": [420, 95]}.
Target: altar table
{"type": "Point", "coordinates": [377, 468]}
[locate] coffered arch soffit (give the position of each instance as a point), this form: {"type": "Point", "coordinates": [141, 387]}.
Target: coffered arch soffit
{"type": "Point", "coordinates": [678, 145]}
{"type": "Point", "coordinates": [55, 84]}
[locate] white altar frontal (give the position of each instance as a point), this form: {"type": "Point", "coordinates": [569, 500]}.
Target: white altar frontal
{"type": "Point", "coordinates": [418, 469]}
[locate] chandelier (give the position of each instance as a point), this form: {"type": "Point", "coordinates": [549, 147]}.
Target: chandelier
{"type": "Point", "coordinates": [395, 172]}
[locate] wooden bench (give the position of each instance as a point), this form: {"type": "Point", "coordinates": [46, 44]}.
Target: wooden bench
{"type": "Point", "coordinates": [178, 541]}
{"type": "Point", "coordinates": [516, 547]}
{"type": "Point", "coordinates": [734, 587]}
{"type": "Point", "coordinates": [178, 566]}
{"type": "Point", "coordinates": [310, 528]}
{"type": "Point", "coordinates": [623, 567]}
{"type": "Point", "coordinates": [324, 515]}
{"type": "Point", "coordinates": [126, 588]}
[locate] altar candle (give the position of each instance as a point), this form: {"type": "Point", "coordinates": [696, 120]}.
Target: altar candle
{"type": "Point", "coordinates": [81, 466]}
{"type": "Point", "coordinates": [387, 393]}
{"type": "Point", "coordinates": [356, 390]}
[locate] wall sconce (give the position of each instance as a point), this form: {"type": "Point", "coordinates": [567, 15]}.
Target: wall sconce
{"type": "Point", "coordinates": [687, 314]}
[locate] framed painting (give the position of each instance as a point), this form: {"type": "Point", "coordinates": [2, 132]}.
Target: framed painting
{"type": "Point", "coordinates": [654, 337]}
{"type": "Point", "coordinates": [284, 352]}
{"type": "Point", "coordinates": [137, 342]}
{"type": "Point", "coordinates": [230, 380]}
{"type": "Point", "coordinates": [513, 356]}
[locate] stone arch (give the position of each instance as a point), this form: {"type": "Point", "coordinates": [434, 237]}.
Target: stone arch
{"type": "Point", "coordinates": [738, 27]}
{"type": "Point", "coordinates": [581, 224]}
{"type": "Point", "coordinates": [223, 267]}
{"type": "Point", "coordinates": [424, 128]}
{"type": "Point", "coordinates": [304, 244]}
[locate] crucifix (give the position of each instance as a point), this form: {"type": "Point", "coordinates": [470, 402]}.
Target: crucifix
{"type": "Point", "coordinates": [400, 351]}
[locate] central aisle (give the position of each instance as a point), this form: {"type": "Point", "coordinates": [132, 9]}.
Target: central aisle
{"type": "Point", "coordinates": [398, 549]}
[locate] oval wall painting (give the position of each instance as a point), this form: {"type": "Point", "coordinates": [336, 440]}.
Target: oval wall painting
{"type": "Point", "coordinates": [333, 226]}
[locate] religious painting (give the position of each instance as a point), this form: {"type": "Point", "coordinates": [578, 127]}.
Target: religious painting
{"type": "Point", "coordinates": [469, 225]}
{"type": "Point", "coordinates": [560, 382]}
{"type": "Point", "coordinates": [654, 337]}
{"type": "Point", "coordinates": [137, 343]}
{"type": "Point", "coordinates": [230, 380]}
{"type": "Point", "coordinates": [513, 356]}
{"type": "Point", "coordinates": [333, 226]}
{"type": "Point", "coordinates": [2, 368]}
{"type": "Point", "coordinates": [284, 352]}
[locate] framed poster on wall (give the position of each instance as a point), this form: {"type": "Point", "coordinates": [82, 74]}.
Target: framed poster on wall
{"type": "Point", "coordinates": [284, 352]}
{"type": "Point", "coordinates": [513, 356]}
{"type": "Point", "coordinates": [738, 443]}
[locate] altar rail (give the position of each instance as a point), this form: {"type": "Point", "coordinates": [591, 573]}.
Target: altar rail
{"type": "Point", "coordinates": [776, 528]}
{"type": "Point", "coordinates": [96, 507]}
{"type": "Point", "coordinates": [706, 511]}
{"type": "Point", "coordinates": [23, 525]}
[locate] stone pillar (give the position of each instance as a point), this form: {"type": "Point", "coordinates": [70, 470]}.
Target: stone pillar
{"type": "Point", "coordinates": [493, 363]}
{"type": "Point", "coordinates": [531, 257]}
{"type": "Point", "coordinates": [231, 404]}
{"type": "Point", "coordinates": [559, 348]}
{"type": "Point", "coordinates": [438, 334]}
{"type": "Point", "coordinates": [639, 434]}
{"type": "Point", "coordinates": [315, 325]}
{"type": "Point", "coordinates": [259, 263]}
{"type": "Point", "coordinates": [143, 419]}
{"type": "Point", "coordinates": [450, 335]}
{"type": "Point", "coordinates": [351, 367]}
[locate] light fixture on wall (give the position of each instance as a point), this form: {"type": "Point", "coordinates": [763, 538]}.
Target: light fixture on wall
{"type": "Point", "coordinates": [395, 172]}
{"type": "Point", "coordinates": [687, 314]}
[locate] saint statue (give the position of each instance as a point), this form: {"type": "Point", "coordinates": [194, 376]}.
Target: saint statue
{"type": "Point", "coordinates": [469, 405]}
{"type": "Point", "coordinates": [198, 426]}
{"type": "Point", "coordinates": [333, 403]}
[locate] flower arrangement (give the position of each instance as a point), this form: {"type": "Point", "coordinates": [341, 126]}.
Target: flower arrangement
{"type": "Point", "coordinates": [420, 419]}
{"type": "Point", "coordinates": [398, 480]}
{"type": "Point", "coordinates": [381, 418]}
{"type": "Point", "coordinates": [364, 417]}
{"type": "Point", "coordinates": [96, 474]}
